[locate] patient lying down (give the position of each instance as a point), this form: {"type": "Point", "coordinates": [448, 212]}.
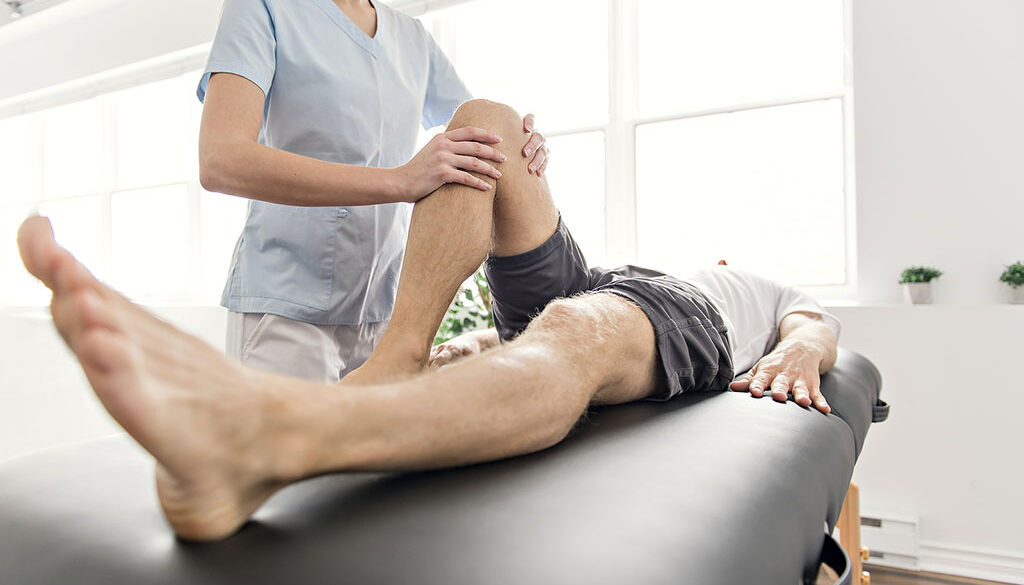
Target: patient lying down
{"type": "Point", "coordinates": [226, 437]}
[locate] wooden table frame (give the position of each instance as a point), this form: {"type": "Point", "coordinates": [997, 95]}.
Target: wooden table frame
{"type": "Point", "coordinates": [849, 535]}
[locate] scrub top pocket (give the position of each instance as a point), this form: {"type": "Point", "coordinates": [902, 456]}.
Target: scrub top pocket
{"type": "Point", "coordinates": [288, 254]}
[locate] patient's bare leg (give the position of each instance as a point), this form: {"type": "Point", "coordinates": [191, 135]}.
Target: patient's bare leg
{"type": "Point", "coordinates": [226, 437]}
{"type": "Point", "coordinates": [451, 233]}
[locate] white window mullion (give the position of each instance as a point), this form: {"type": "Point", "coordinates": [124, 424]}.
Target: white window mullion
{"type": "Point", "coordinates": [195, 285]}
{"type": "Point", "coordinates": [849, 154]}
{"type": "Point", "coordinates": [109, 181]}
{"type": "Point", "coordinates": [620, 162]}
{"type": "Point", "coordinates": [572, 131]}
{"type": "Point", "coordinates": [743, 107]}
{"type": "Point", "coordinates": [40, 149]}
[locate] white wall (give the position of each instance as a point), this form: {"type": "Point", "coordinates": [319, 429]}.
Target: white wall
{"type": "Point", "coordinates": [939, 150]}
{"type": "Point", "coordinates": [45, 399]}
{"type": "Point", "coordinates": [85, 37]}
{"type": "Point", "coordinates": [950, 452]}
{"type": "Point", "coordinates": [939, 154]}
{"type": "Point", "coordinates": [938, 122]}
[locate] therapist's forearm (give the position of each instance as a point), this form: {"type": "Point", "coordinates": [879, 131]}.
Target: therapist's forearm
{"type": "Point", "coordinates": [255, 171]}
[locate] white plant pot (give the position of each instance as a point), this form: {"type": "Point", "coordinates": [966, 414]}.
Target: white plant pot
{"type": "Point", "coordinates": [1017, 295]}
{"type": "Point", "coordinates": [918, 293]}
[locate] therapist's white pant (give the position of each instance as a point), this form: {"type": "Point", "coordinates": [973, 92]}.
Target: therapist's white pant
{"type": "Point", "coordinates": [321, 353]}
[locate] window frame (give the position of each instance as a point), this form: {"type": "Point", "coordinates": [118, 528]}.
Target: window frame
{"type": "Point", "coordinates": [619, 133]}
{"type": "Point", "coordinates": [624, 119]}
{"type": "Point", "coordinates": [103, 86]}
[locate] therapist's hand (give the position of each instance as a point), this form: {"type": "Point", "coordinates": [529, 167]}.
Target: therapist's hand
{"type": "Point", "coordinates": [536, 146]}
{"type": "Point", "coordinates": [792, 367]}
{"type": "Point", "coordinates": [449, 158]}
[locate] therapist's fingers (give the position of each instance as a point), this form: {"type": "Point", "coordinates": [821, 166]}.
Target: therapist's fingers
{"type": "Point", "coordinates": [544, 165]}
{"type": "Point", "coordinates": [478, 150]}
{"type": "Point", "coordinates": [528, 121]}
{"type": "Point", "coordinates": [539, 162]}
{"type": "Point", "coordinates": [534, 144]}
{"type": "Point", "coordinates": [469, 163]}
{"type": "Point", "coordinates": [472, 133]}
{"type": "Point", "coordinates": [464, 178]}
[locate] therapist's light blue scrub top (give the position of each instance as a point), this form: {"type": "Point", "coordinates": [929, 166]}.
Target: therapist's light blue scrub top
{"type": "Point", "coordinates": [335, 94]}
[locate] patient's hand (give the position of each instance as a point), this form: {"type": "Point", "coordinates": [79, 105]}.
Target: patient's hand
{"type": "Point", "coordinates": [449, 351]}
{"type": "Point", "coordinates": [462, 346]}
{"type": "Point", "coordinates": [791, 367]}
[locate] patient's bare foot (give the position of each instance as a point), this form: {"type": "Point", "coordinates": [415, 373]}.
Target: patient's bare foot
{"type": "Point", "coordinates": [201, 415]}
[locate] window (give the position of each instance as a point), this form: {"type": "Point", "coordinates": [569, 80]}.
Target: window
{"type": "Point", "coordinates": [714, 129]}
{"type": "Point", "coordinates": [564, 84]}
{"type": "Point", "coordinates": [682, 132]}
{"type": "Point", "coordinates": [710, 188]}
{"type": "Point", "coordinates": [118, 176]}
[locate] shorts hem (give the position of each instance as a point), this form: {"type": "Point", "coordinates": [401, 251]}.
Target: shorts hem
{"type": "Point", "coordinates": [517, 260]}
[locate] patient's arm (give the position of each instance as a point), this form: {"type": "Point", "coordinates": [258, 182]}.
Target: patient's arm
{"type": "Point", "coordinates": [806, 349]}
{"type": "Point", "coordinates": [462, 346]}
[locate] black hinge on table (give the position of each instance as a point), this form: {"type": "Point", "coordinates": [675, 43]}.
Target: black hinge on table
{"type": "Point", "coordinates": [880, 411]}
{"type": "Point", "coordinates": [835, 558]}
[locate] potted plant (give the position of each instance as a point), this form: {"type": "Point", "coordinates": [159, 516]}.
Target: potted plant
{"type": "Point", "coordinates": [1014, 276]}
{"type": "Point", "coordinates": [917, 284]}
{"type": "Point", "coordinates": [469, 311]}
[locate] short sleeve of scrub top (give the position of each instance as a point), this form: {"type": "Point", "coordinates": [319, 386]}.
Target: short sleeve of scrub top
{"type": "Point", "coordinates": [335, 94]}
{"type": "Point", "coordinates": [245, 45]}
{"type": "Point", "coordinates": [445, 91]}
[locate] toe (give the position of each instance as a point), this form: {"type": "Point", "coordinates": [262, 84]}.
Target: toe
{"type": "Point", "coordinates": [38, 248]}
{"type": "Point", "coordinates": [94, 310]}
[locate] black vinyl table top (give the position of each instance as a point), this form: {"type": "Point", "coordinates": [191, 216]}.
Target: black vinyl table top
{"type": "Point", "coordinates": [709, 488]}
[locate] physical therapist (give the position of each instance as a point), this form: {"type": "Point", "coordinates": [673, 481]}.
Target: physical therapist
{"type": "Point", "coordinates": [312, 110]}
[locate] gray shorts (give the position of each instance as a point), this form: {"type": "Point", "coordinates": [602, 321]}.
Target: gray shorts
{"type": "Point", "coordinates": [690, 335]}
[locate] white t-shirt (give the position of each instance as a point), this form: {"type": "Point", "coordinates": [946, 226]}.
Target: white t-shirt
{"type": "Point", "coordinates": [752, 308]}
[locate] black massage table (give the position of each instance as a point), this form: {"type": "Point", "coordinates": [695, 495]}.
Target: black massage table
{"type": "Point", "coordinates": [711, 488]}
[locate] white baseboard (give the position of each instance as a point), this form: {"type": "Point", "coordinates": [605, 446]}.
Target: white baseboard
{"type": "Point", "coordinates": [966, 561]}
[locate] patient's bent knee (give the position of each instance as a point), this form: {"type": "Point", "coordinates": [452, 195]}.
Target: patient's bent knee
{"type": "Point", "coordinates": [594, 319]}
{"type": "Point", "coordinates": [569, 314]}
{"type": "Point", "coordinates": [486, 114]}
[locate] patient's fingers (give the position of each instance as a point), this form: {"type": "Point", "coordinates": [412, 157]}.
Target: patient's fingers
{"type": "Point", "coordinates": [761, 382]}
{"type": "Point", "coordinates": [800, 393]}
{"type": "Point", "coordinates": [819, 399]}
{"type": "Point", "coordinates": [442, 355]}
{"type": "Point", "coordinates": [780, 387]}
{"type": "Point", "coordinates": [743, 383]}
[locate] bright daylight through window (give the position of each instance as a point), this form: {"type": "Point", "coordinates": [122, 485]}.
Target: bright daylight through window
{"type": "Point", "coordinates": [707, 130]}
